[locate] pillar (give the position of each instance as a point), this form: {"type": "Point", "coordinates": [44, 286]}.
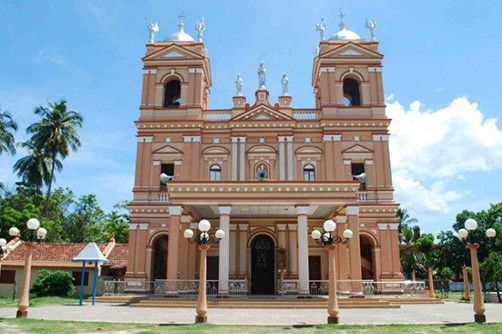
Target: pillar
{"type": "Point", "coordinates": [329, 161]}
{"type": "Point", "coordinates": [148, 264]}
{"type": "Point", "coordinates": [343, 250]}
{"type": "Point", "coordinates": [293, 251]}
{"type": "Point", "coordinates": [282, 159]}
{"type": "Point", "coordinates": [224, 250]}
{"type": "Point", "coordinates": [173, 246]}
{"type": "Point", "coordinates": [354, 244]}
{"type": "Point", "coordinates": [233, 250]}
{"type": "Point", "coordinates": [242, 158]}
{"type": "Point", "coordinates": [291, 158]}
{"type": "Point", "coordinates": [234, 158]}
{"type": "Point", "coordinates": [303, 250]}
{"type": "Point", "coordinates": [243, 239]}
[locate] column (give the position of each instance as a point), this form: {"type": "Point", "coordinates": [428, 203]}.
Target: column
{"type": "Point", "coordinates": [385, 246]}
{"type": "Point", "coordinates": [172, 249]}
{"type": "Point", "coordinates": [343, 254]}
{"type": "Point", "coordinates": [242, 158]}
{"type": "Point", "coordinates": [233, 250]}
{"type": "Point", "coordinates": [148, 264]}
{"type": "Point", "coordinates": [291, 158]}
{"type": "Point", "coordinates": [394, 246]}
{"type": "Point", "coordinates": [234, 158]}
{"type": "Point", "coordinates": [293, 251]}
{"type": "Point", "coordinates": [329, 161]}
{"type": "Point", "coordinates": [224, 249]}
{"type": "Point", "coordinates": [282, 159]}
{"type": "Point", "coordinates": [354, 244]}
{"type": "Point", "coordinates": [243, 239]}
{"type": "Point", "coordinates": [303, 250]}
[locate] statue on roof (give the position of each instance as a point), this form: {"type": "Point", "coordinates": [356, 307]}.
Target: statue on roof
{"type": "Point", "coordinates": [200, 28]}
{"type": "Point", "coordinates": [371, 25]}
{"type": "Point", "coordinates": [152, 28]}
{"type": "Point", "coordinates": [285, 84]}
{"type": "Point", "coordinates": [262, 76]}
{"type": "Point", "coordinates": [341, 24]}
{"type": "Point", "coordinates": [321, 28]}
{"type": "Point", "coordinates": [238, 85]}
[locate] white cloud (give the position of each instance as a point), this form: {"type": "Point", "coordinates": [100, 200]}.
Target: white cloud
{"type": "Point", "coordinates": [431, 149]}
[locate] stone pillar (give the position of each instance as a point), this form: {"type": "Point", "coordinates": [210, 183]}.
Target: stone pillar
{"type": "Point", "coordinates": [173, 246]}
{"type": "Point", "coordinates": [233, 250]}
{"type": "Point", "coordinates": [293, 251]}
{"type": "Point", "coordinates": [282, 159]}
{"type": "Point", "coordinates": [343, 250]}
{"type": "Point", "coordinates": [148, 264]}
{"type": "Point", "coordinates": [290, 158]}
{"type": "Point", "coordinates": [234, 158]}
{"type": "Point", "coordinates": [303, 250]}
{"type": "Point", "coordinates": [243, 239]}
{"type": "Point", "coordinates": [354, 244]}
{"type": "Point", "coordinates": [281, 235]}
{"type": "Point", "coordinates": [329, 161]}
{"type": "Point", "coordinates": [224, 249]}
{"type": "Point", "coordinates": [242, 158]}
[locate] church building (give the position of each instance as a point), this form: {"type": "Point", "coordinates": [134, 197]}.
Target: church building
{"type": "Point", "coordinates": [263, 171]}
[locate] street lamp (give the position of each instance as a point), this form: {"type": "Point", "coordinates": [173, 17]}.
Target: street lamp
{"type": "Point", "coordinates": [37, 234]}
{"type": "Point", "coordinates": [328, 239]}
{"type": "Point", "coordinates": [204, 240]}
{"type": "Point", "coordinates": [466, 234]}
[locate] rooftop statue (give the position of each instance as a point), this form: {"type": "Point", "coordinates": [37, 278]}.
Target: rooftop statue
{"type": "Point", "coordinates": [238, 85]}
{"type": "Point", "coordinates": [321, 28]}
{"type": "Point", "coordinates": [285, 84]}
{"type": "Point", "coordinates": [200, 28]}
{"type": "Point", "coordinates": [371, 25]}
{"type": "Point", "coordinates": [262, 77]}
{"type": "Point", "coordinates": [152, 28]}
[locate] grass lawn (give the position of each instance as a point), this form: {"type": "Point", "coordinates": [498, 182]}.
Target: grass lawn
{"type": "Point", "coordinates": [64, 327]}
{"type": "Point", "coordinates": [39, 301]}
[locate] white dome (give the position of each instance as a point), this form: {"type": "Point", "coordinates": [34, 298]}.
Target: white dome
{"type": "Point", "coordinates": [181, 35]}
{"type": "Point", "coordinates": [345, 34]}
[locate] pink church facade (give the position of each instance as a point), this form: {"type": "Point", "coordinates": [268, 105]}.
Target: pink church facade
{"type": "Point", "coordinates": [264, 172]}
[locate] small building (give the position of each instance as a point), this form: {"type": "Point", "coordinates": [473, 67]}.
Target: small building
{"type": "Point", "coordinates": [58, 256]}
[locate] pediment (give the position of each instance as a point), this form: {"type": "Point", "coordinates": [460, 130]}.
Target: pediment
{"type": "Point", "coordinates": [262, 113]}
{"type": "Point", "coordinates": [171, 52]}
{"type": "Point", "coordinates": [215, 150]}
{"type": "Point", "coordinates": [308, 150]}
{"type": "Point", "coordinates": [351, 50]}
{"type": "Point", "coordinates": [261, 149]}
{"type": "Point", "coordinates": [167, 150]}
{"type": "Point", "coordinates": [357, 149]}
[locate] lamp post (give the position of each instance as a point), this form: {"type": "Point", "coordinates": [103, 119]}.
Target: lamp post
{"type": "Point", "coordinates": [329, 240]}
{"type": "Point", "coordinates": [204, 240]}
{"type": "Point", "coordinates": [37, 233]}
{"type": "Point", "coordinates": [466, 234]}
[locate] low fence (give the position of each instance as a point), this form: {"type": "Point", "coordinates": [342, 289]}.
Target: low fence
{"type": "Point", "coordinates": [345, 288]}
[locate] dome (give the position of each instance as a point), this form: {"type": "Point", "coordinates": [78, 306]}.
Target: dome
{"type": "Point", "coordinates": [345, 34]}
{"type": "Point", "coordinates": [180, 36]}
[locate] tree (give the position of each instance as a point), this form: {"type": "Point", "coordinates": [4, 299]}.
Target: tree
{"type": "Point", "coordinates": [84, 223]}
{"type": "Point", "coordinates": [53, 283]}
{"type": "Point", "coordinates": [405, 220]}
{"type": "Point", "coordinates": [35, 167]}
{"type": "Point", "coordinates": [55, 135]}
{"type": "Point", "coordinates": [491, 271]}
{"type": "Point", "coordinates": [7, 127]}
{"type": "Point", "coordinates": [452, 252]}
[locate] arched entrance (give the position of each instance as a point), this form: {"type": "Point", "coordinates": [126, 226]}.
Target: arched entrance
{"type": "Point", "coordinates": [367, 261]}
{"type": "Point", "coordinates": [160, 257]}
{"type": "Point", "coordinates": [262, 265]}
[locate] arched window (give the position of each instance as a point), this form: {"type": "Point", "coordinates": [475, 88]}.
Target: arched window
{"type": "Point", "coordinates": [261, 171]}
{"type": "Point", "coordinates": [215, 172]}
{"type": "Point", "coordinates": [172, 93]}
{"type": "Point", "coordinates": [308, 172]}
{"type": "Point", "coordinates": [351, 94]}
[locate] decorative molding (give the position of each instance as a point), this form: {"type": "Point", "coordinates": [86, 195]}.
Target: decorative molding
{"type": "Point", "coordinates": [393, 227]}
{"type": "Point", "coordinates": [243, 227]}
{"type": "Point", "coordinates": [374, 69]}
{"type": "Point", "coordinates": [341, 219]}
{"type": "Point", "coordinates": [382, 227]}
{"type": "Point", "coordinates": [289, 139]}
{"type": "Point", "coordinates": [196, 70]}
{"type": "Point", "coordinates": [143, 227]}
{"type": "Point", "coordinates": [144, 139]}
{"type": "Point", "coordinates": [380, 137]}
{"type": "Point", "coordinates": [186, 219]}
{"type": "Point", "coordinates": [368, 162]}
{"type": "Point", "coordinates": [175, 210]}
{"type": "Point", "coordinates": [327, 69]}
{"type": "Point", "coordinates": [281, 227]}
{"type": "Point", "coordinates": [302, 210]}
{"type": "Point", "coordinates": [156, 162]}
{"type": "Point", "coordinates": [347, 162]}
{"type": "Point", "coordinates": [225, 210]}
{"type": "Point", "coordinates": [292, 227]}
{"type": "Point", "coordinates": [191, 139]}
{"type": "Point", "coordinates": [352, 210]}
{"type": "Point", "coordinates": [133, 226]}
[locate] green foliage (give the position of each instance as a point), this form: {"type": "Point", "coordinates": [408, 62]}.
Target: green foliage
{"type": "Point", "coordinates": [445, 273]}
{"type": "Point", "coordinates": [452, 252]}
{"type": "Point", "coordinates": [491, 268]}
{"type": "Point", "coordinates": [7, 127]}
{"type": "Point", "coordinates": [53, 283]}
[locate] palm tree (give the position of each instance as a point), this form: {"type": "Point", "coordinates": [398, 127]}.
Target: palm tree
{"type": "Point", "coordinates": [35, 167]}
{"type": "Point", "coordinates": [405, 220]}
{"type": "Point", "coordinates": [7, 126]}
{"type": "Point", "coordinates": [55, 135]}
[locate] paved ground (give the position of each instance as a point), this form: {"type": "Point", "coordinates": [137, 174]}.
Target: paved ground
{"type": "Point", "coordinates": [408, 314]}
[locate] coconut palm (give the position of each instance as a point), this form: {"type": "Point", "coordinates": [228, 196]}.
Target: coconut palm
{"type": "Point", "coordinates": [55, 135]}
{"type": "Point", "coordinates": [405, 221]}
{"type": "Point", "coordinates": [7, 127]}
{"type": "Point", "coordinates": [35, 167]}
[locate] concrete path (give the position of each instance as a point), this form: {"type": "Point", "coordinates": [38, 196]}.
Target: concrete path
{"type": "Point", "coordinates": [408, 314]}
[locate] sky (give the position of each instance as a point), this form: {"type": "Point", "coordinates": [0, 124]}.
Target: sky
{"type": "Point", "coordinates": [442, 80]}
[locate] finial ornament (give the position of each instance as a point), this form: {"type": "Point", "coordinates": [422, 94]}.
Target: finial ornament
{"type": "Point", "coordinates": [371, 25]}
{"type": "Point", "coordinates": [321, 28]}
{"type": "Point", "coordinates": [181, 24]}
{"type": "Point", "coordinates": [262, 76]}
{"type": "Point", "coordinates": [285, 84]}
{"type": "Point", "coordinates": [200, 28]}
{"type": "Point", "coordinates": [152, 28]}
{"type": "Point", "coordinates": [341, 25]}
{"type": "Point", "coordinates": [238, 85]}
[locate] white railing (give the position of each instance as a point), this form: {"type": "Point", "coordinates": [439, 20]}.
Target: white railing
{"type": "Point", "coordinates": [218, 117]}
{"type": "Point", "coordinates": [362, 196]}
{"type": "Point", "coordinates": [305, 115]}
{"type": "Point", "coordinates": [288, 287]}
{"type": "Point", "coordinates": [163, 197]}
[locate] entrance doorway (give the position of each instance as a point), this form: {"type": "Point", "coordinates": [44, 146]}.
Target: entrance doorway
{"type": "Point", "coordinates": [262, 265]}
{"type": "Point", "coordinates": [160, 257]}
{"type": "Point", "coordinates": [367, 266]}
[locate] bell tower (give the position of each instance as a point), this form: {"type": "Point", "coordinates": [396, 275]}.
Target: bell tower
{"type": "Point", "coordinates": [176, 72]}
{"type": "Point", "coordinates": [347, 75]}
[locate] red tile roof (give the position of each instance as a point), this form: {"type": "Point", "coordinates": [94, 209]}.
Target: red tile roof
{"type": "Point", "coordinates": [118, 257]}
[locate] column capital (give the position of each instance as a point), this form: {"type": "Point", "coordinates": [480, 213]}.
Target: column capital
{"type": "Point", "coordinates": [341, 219]}
{"type": "Point", "coordinates": [289, 139]}
{"type": "Point", "coordinates": [235, 139]}
{"type": "Point", "coordinates": [243, 227]}
{"type": "Point", "coordinates": [302, 210]}
{"type": "Point", "coordinates": [175, 210]}
{"type": "Point", "coordinates": [352, 210]}
{"type": "Point", "coordinates": [186, 219]}
{"type": "Point", "coordinates": [292, 227]}
{"type": "Point", "coordinates": [281, 139]}
{"type": "Point", "coordinates": [242, 139]}
{"type": "Point", "coordinates": [225, 210]}
{"type": "Point", "coordinates": [281, 227]}
{"type": "Point", "coordinates": [332, 138]}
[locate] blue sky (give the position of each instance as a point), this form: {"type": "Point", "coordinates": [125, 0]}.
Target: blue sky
{"type": "Point", "coordinates": [444, 54]}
